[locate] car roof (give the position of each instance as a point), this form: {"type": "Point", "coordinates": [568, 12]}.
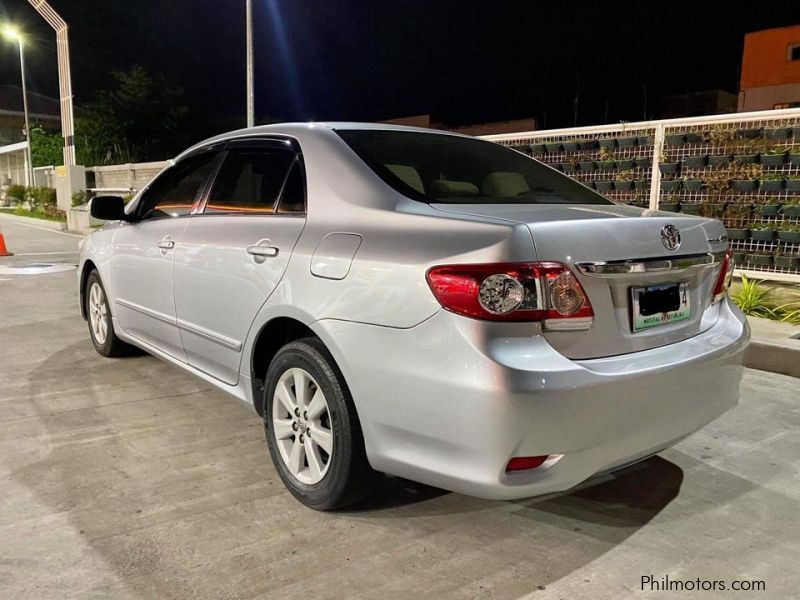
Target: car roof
{"type": "Point", "coordinates": [300, 129]}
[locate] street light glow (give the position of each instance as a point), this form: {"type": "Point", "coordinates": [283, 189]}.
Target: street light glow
{"type": "Point", "coordinates": [12, 32]}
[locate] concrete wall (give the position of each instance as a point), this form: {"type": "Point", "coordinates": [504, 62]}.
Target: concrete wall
{"type": "Point", "coordinates": [770, 78]}
{"type": "Point", "coordinates": [766, 60]}
{"type": "Point", "coordinates": [768, 97]}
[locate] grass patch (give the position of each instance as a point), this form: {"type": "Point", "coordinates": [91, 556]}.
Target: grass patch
{"type": "Point", "coordinates": [39, 213]}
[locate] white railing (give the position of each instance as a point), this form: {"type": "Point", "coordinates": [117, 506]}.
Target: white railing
{"type": "Point", "coordinates": [129, 177]}
{"type": "Point", "coordinates": [742, 167]}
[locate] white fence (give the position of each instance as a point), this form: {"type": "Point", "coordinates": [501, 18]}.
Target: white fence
{"type": "Point", "coordinates": [129, 177]}
{"type": "Point", "coordinates": [743, 168]}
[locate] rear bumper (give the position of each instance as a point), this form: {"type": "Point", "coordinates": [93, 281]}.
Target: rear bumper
{"type": "Point", "coordinates": [450, 401]}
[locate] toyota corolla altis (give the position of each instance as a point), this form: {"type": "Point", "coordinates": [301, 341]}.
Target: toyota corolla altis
{"type": "Point", "coordinates": [422, 304]}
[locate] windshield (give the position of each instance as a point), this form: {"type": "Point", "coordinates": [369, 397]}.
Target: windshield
{"type": "Point", "coordinates": [440, 168]}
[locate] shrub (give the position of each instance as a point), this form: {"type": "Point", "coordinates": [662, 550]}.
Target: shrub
{"type": "Point", "coordinates": [16, 193]}
{"type": "Point", "coordinates": [790, 312]}
{"type": "Point", "coordinates": [40, 196]}
{"type": "Point", "coordinates": [754, 299]}
{"type": "Point", "coordinates": [80, 197]}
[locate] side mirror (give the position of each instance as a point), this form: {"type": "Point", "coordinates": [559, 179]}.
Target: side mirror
{"type": "Point", "coordinates": [108, 208]}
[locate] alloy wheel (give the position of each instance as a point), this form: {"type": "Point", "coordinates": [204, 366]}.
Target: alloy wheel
{"type": "Point", "coordinates": [301, 423]}
{"type": "Point", "coordinates": [97, 313]}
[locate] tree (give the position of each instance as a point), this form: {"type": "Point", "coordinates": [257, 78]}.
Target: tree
{"type": "Point", "coordinates": [141, 119]}
{"type": "Point", "coordinates": [46, 148]}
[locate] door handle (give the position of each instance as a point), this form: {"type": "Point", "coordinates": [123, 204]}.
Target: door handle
{"type": "Point", "coordinates": [166, 244]}
{"type": "Point", "coordinates": [262, 251]}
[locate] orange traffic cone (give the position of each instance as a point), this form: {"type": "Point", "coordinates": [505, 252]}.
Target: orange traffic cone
{"type": "Point", "coordinates": [3, 250]}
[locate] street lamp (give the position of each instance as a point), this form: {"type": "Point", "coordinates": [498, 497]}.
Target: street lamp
{"type": "Point", "coordinates": [13, 34]}
{"type": "Point", "coordinates": [250, 102]}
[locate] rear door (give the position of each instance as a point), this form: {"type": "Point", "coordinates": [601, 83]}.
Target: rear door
{"type": "Point", "coordinates": [234, 252]}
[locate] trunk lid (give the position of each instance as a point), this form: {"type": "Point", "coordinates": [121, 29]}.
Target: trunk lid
{"type": "Point", "coordinates": [581, 234]}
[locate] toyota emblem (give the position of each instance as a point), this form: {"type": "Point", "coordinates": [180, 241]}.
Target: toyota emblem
{"type": "Point", "coordinates": [671, 237]}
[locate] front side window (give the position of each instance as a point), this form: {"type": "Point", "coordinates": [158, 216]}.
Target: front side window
{"type": "Point", "coordinates": [249, 181]}
{"type": "Point", "coordinates": [440, 168]}
{"type": "Point", "coordinates": [175, 190]}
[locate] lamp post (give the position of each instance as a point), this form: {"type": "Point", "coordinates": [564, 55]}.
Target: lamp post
{"type": "Point", "coordinates": [64, 78]}
{"type": "Point", "coordinates": [13, 34]}
{"type": "Point", "coordinates": [250, 101]}
{"type": "Point", "coordinates": [69, 177]}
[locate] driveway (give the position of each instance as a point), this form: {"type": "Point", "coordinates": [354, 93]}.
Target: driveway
{"type": "Point", "coordinates": [126, 478]}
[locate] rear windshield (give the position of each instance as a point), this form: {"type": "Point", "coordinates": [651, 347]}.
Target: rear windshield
{"type": "Point", "coordinates": [440, 168]}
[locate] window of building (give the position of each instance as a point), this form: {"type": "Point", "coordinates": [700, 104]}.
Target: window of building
{"type": "Point", "coordinates": [794, 51]}
{"type": "Point", "coordinates": [787, 105]}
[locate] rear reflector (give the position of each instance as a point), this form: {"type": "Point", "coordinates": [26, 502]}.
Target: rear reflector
{"type": "Point", "coordinates": [525, 463]}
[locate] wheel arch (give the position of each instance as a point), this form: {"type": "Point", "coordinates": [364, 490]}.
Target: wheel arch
{"type": "Point", "coordinates": [88, 267]}
{"type": "Point", "coordinates": [273, 335]}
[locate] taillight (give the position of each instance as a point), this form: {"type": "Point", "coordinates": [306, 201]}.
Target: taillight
{"type": "Point", "coordinates": [725, 276]}
{"type": "Point", "coordinates": [546, 292]}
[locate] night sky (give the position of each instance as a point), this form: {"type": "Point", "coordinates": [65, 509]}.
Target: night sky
{"type": "Point", "coordinates": [463, 61]}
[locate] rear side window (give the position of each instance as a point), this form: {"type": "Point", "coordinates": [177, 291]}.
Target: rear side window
{"type": "Point", "coordinates": [174, 192]}
{"type": "Point", "coordinates": [440, 168]}
{"type": "Point", "coordinates": [250, 181]}
{"type": "Point", "coordinates": [293, 197]}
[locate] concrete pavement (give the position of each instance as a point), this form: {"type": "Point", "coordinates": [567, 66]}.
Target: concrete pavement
{"type": "Point", "coordinates": [34, 243]}
{"type": "Point", "coordinates": [127, 478]}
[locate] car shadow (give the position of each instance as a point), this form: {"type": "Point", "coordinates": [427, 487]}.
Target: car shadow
{"type": "Point", "coordinates": [630, 496]}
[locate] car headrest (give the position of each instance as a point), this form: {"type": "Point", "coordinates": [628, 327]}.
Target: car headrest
{"type": "Point", "coordinates": [504, 184]}
{"type": "Point", "coordinates": [409, 176]}
{"type": "Point", "coordinates": [448, 189]}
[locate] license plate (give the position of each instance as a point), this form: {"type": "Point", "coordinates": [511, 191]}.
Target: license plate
{"type": "Point", "coordinates": [657, 305]}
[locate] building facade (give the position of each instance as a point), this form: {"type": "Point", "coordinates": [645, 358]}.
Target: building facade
{"type": "Point", "coordinates": [770, 70]}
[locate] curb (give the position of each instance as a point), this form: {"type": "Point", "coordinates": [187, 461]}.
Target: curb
{"type": "Point", "coordinates": [773, 358]}
{"type": "Point", "coordinates": [774, 347]}
{"type": "Point", "coordinates": [54, 225]}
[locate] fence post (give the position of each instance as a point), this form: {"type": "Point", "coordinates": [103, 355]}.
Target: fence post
{"type": "Point", "coordinates": [655, 176]}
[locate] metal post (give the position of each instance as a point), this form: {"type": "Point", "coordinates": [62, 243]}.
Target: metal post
{"type": "Point", "coordinates": [28, 154]}
{"type": "Point", "coordinates": [655, 176]}
{"type": "Point", "coordinates": [250, 99]}
{"type": "Point", "coordinates": [64, 77]}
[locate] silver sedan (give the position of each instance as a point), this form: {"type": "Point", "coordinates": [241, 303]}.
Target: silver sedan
{"type": "Point", "coordinates": [419, 303]}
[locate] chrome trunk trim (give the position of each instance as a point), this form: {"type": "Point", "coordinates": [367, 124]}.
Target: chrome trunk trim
{"type": "Point", "coordinates": [620, 268]}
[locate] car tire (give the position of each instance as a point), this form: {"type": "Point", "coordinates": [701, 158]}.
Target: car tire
{"type": "Point", "coordinates": [98, 316]}
{"type": "Point", "coordinates": [330, 474]}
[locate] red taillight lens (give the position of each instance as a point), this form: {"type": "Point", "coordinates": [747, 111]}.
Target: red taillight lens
{"type": "Point", "coordinates": [525, 463]}
{"type": "Point", "coordinates": [725, 276]}
{"type": "Point", "coordinates": [512, 292]}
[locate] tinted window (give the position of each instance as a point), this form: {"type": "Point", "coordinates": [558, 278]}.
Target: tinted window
{"type": "Point", "coordinates": [293, 197]}
{"type": "Point", "coordinates": [174, 192]}
{"type": "Point", "coordinates": [446, 168]}
{"type": "Point", "coordinates": [249, 181]}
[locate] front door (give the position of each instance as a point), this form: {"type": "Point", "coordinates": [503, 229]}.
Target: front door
{"type": "Point", "coordinates": [144, 250]}
{"type": "Point", "coordinates": [233, 254]}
